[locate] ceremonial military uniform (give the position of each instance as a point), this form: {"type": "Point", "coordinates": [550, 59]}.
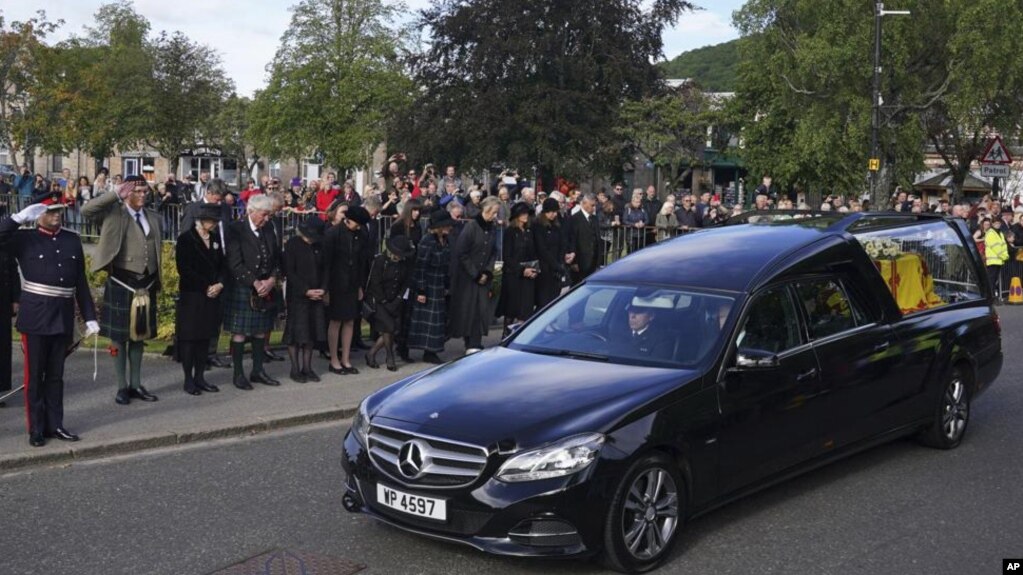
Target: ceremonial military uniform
{"type": "Point", "coordinates": [53, 271]}
{"type": "Point", "coordinates": [10, 290]}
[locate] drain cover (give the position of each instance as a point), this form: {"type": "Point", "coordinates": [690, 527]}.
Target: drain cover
{"type": "Point", "coordinates": [287, 562]}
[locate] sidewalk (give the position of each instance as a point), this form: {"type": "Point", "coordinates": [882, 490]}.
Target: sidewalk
{"type": "Point", "coordinates": [177, 418]}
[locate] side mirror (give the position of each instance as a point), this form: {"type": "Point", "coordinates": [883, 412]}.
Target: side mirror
{"type": "Point", "coordinates": [512, 328]}
{"type": "Point", "coordinates": [755, 359]}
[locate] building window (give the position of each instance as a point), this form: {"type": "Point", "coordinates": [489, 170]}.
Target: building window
{"type": "Point", "coordinates": [5, 157]}
{"type": "Point", "coordinates": [275, 170]}
{"type": "Point", "coordinates": [56, 163]}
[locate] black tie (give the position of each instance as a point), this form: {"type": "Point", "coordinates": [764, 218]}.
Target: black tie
{"type": "Point", "coordinates": [138, 220]}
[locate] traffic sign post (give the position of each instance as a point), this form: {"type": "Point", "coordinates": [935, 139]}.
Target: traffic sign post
{"type": "Point", "coordinates": [994, 163]}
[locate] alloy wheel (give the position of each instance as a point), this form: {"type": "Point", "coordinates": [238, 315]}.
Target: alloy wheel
{"type": "Point", "coordinates": [956, 409]}
{"type": "Point", "coordinates": [651, 513]}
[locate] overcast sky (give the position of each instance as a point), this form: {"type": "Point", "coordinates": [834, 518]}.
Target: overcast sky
{"type": "Point", "coordinates": [246, 32]}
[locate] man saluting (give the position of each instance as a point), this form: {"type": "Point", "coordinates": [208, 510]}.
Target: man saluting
{"type": "Point", "coordinates": [53, 278]}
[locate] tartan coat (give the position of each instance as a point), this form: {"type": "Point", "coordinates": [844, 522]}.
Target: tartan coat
{"type": "Point", "coordinates": [427, 328]}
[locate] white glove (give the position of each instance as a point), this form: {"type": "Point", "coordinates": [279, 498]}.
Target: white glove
{"type": "Point", "coordinates": [91, 328]}
{"type": "Point", "coordinates": [29, 214]}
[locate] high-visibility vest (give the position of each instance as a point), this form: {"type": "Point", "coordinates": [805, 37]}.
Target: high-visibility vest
{"type": "Point", "coordinates": [996, 251]}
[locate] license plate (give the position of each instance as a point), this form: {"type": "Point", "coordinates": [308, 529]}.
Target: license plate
{"type": "Point", "coordinates": [412, 504]}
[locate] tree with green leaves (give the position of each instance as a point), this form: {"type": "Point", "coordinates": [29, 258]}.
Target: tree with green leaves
{"type": "Point", "coordinates": [805, 97]}
{"type": "Point", "coordinates": [669, 129]}
{"type": "Point", "coordinates": [118, 84]}
{"type": "Point", "coordinates": [188, 87]}
{"type": "Point", "coordinates": [334, 83]}
{"type": "Point", "coordinates": [531, 82]}
{"type": "Point", "coordinates": [229, 132]}
{"type": "Point", "coordinates": [21, 48]}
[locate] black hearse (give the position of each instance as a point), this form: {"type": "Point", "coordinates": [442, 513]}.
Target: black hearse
{"type": "Point", "coordinates": [682, 377]}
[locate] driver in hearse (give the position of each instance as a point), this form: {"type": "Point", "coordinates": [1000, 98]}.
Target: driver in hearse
{"type": "Point", "coordinates": [643, 336]}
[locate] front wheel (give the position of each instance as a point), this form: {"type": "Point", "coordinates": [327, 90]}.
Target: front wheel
{"type": "Point", "coordinates": [645, 516]}
{"type": "Point", "coordinates": [952, 415]}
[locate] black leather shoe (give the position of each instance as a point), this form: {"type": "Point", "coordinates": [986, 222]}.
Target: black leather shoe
{"type": "Point", "coordinates": [217, 361]}
{"type": "Point", "coordinates": [272, 356]}
{"type": "Point", "coordinates": [241, 383]}
{"type": "Point", "coordinates": [350, 370]}
{"type": "Point", "coordinates": [337, 370]}
{"type": "Point", "coordinates": [123, 397]}
{"type": "Point", "coordinates": [430, 357]}
{"type": "Point", "coordinates": [297, 376]}
{"type": "Point", "coordinates": [310, 375]}
{"type": "Point", "coordinates": [36, 440]}
{"type": "Point", "coordinates": [207, 387]}
{"type": "Point", "coordinates": [192, 390]}
{"type": "Point", "coordinates": [65, 435]}
{"type": "Point", "coordinates": [371, 363]}
{"type": "Point", "coordinates": [391, 365]}
{"type": "Point", "coordinates": [142, 394]}
{"type": "Point", "coordinates": [263, 378]}
{"type": "Point", "coordinates": [403, 354]}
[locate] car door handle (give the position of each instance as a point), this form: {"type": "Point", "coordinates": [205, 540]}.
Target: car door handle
{"type": "Point", "coordinates": [808, 374]}
{"type": "Point", "coordinates": [881, 346]}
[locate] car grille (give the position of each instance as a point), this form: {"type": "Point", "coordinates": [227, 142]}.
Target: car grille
{"type": "Point", "coordinates": [445, 464]}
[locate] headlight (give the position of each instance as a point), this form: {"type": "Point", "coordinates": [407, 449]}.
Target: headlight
{"type": "Point", "coordinates": [565, 457]}
{"type": "Point", "coordinates": [360, 425]}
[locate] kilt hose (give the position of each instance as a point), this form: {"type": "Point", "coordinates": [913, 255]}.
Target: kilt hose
{"type": "Point", "coordinates": [115, 319]}
{"type": "Point", "coordinates": [240, 318]}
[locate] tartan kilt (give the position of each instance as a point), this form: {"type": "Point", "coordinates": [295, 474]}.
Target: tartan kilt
{"type": "Point", "coordinates": [240, 318]}
{"type": "Point", "coordinates": [115, 319]}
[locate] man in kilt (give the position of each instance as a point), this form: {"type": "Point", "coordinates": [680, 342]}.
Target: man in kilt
{"type": "Point", "coordinates": [254, 264]}
{"type": "Point", "coordinates": [430, 283]}
{"type": "Point", "coordinates": [129, 250]}
{"type": "Point", "coordinates": [53, 270]}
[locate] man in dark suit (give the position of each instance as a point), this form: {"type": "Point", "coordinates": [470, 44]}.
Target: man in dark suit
{"type": "Point", "coordinates": [644, 338]}
{"type": "Point", "coordinates": [215, 192]}
{"type": "Point", "coordinates": [585, 239]}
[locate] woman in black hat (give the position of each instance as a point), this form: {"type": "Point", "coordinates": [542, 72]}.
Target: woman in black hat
{"type": "Point", "coordinates": [550, 241]}
{"type": "Point", "coordinates": [385, 291]}
{"type": "Point", "coordinates": [521, 268]}
{"type": "Point", "coordinates": [343, 279]}
{"type": "Point", "coordinates": [307, 322]}
{"type": "Point", "coordinates": [430, 283]}
{"type": "Point", "coordinates": [202, 273]}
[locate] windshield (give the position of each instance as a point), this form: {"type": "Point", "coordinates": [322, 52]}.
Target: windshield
{"type": "Point", "coordinates": [635, 324]}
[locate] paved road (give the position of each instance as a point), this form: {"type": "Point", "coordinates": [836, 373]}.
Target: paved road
{"type": "Point", "coordinates": [896, 509]}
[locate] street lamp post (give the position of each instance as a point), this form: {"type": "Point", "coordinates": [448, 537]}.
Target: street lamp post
{"type": "Point", "coordinates": [875, 123]}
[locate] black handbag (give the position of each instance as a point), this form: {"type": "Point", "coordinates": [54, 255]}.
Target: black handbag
{"type": "Point", "coordinates": [368, 308]}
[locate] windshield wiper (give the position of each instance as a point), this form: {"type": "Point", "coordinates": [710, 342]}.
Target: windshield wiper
{"type": "Point", "coordinates": [566, 353]}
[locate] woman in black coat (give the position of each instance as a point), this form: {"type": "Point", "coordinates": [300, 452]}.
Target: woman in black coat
{"type": "Point", "coordinates": [200, 261]}
{"type": "Point", "coordinates": [307, 323]}
{"type": "Point", "coordinates": [343, 279]}
{"type": "Point", "coordinates": [550, 241]}
{"type": "Point", "coordinates": [521, 268]}
{"type": "Point", "coordinates": [408, 225]}
{"type": "Point", "coordinates": [388, 283]}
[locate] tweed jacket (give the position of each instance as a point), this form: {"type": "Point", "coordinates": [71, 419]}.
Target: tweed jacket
{"type": "Point", "coordinates": [109, 212]}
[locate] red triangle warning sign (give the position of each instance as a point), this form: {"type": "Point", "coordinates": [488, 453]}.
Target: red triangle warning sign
{"type": "Point", "coordinates": [996, 153]}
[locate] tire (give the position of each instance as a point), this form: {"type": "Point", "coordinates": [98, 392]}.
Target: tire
{"type": "Point", "coordinates": [652, 487]}
{"type": "Point", "coordinates": [952, 413]}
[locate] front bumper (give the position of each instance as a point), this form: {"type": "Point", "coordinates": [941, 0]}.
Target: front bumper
{"type": "Point", "coordinates": [564, 515]}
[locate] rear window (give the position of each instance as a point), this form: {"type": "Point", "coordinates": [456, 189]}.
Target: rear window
{"type": "Point", "coordinates": [924, 265]}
